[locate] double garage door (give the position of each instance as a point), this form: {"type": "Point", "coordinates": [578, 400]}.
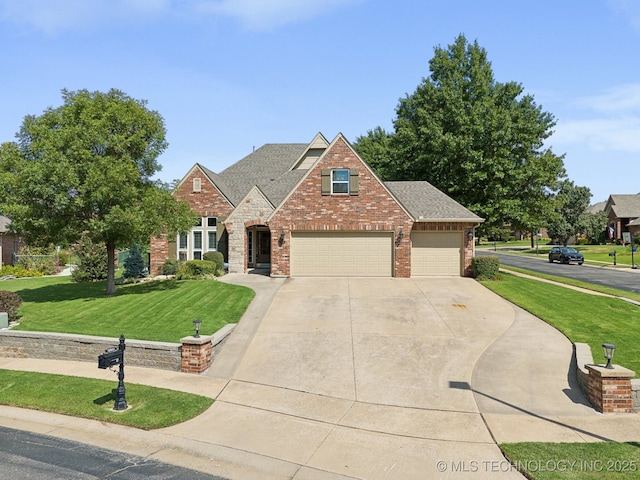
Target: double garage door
{"type": "Point", "coordinates": [370, 254]}
{"type": "Point", "coordinates": [342, 254]}
{"type": "Point", "coordinates": [436, 253]}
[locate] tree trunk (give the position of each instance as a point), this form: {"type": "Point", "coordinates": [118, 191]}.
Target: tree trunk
{"type": "Point", "coordinates": [532, 235]}
{"type": "Point", "coordinates": [111, 268]}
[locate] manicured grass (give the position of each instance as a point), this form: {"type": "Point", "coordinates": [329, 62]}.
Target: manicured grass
{"type": "Point", "coordinates": [580, 316]}
{"type": "Point", "coordinates": [161, 310]}
{"type": "Point", "coordinates": [577, 283]}
{"type": "Point", "coordinates": [584, 461]}
{"type": "Point", "coordinates": [149, 407]}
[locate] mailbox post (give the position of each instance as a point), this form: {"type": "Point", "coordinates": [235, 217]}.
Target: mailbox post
{"type": "Point", "coordinates": [110, 358]}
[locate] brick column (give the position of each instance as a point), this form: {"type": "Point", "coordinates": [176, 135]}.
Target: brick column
{"type": "Point", "coordinates": [609, 389]}
{"type": "Point", "coordinates": [196, 354]}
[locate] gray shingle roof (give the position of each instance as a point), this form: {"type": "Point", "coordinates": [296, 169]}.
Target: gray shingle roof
{"type": "Point", "coordinates": [268, 168]}
{"type": "Point", "coordinates": [625, 206]}
{"type": "Point", "coordinates": [4, 224]}
{"type": "Point", "coordinates": [423, 201]}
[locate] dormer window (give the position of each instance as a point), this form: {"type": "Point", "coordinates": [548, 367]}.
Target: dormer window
{"type": "Point", "coordinates": [340, 181]}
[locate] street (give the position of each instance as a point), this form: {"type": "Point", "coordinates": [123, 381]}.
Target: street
{"type": "Point", "coordinates": [606, 276]}
{"type": "Point", "coordinates": [29, 455]}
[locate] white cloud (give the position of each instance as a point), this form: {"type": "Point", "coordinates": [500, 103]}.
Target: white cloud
{"type": "Point", "coordinates": [264, 15]}
{"type": "Point", "coordinates": [606, 122]}
{"type": "Point", "coordinates": [52, 17]}
{"type": "Point", "coordinates": [619, 99]}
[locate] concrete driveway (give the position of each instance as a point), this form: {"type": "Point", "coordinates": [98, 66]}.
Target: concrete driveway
{"type": "Point", "coordinates": [363, 378]}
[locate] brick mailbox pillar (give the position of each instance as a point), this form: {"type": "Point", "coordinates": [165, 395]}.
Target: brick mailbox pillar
{"type": "Point", "coordinates": [609, 389]}
{"type": "Point", "coordinates": [196, 354]}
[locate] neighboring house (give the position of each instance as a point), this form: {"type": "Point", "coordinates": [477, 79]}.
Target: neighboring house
{"type": "Point", "coordinates": [317, 209]}
{"type": "Point", "coordinates": [623, 214]}
{"type": "Point", "coordinates": [10, 243]}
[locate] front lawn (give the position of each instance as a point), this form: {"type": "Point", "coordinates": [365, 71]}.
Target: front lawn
{"type": "Point", "coordinates": [160, 310]}
{"type": "Point", "coordinates": [580, 316]}
{"type": "Point", "coordinates": [149, 407]}
{"type": "Point", "coordinates": [583, 461]}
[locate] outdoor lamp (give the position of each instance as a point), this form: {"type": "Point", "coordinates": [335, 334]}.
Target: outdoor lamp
{"type": "Point", "coordinates": [281, 235]}
{"type": "Point", "coordinates": [196, 325]}
{"type": "Point", "coordinates": [470, 235]}
{"type": "Point", "coordinates": [608, 353]}
{"type": "Point", "coordinates": [401, 234]}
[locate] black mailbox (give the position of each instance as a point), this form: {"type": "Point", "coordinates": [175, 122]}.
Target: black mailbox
{"type": "Point", "coordinates": [110, 358]}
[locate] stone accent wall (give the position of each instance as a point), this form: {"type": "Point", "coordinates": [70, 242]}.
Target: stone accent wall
{"type": "Point", "coordinates": [254, 210]}
{"type": "Point", "coordinates": [85, 348]}
{"type": "Point", "coordinates": [208, 202]}
{"type": "Point", "coordinates": [465, 228]}
{"type": "Point", "coordinates": [373, 209]}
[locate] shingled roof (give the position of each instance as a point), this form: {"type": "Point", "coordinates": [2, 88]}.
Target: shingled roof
{"type": "Point", "coordinates": [425, 202]}
{"type": "Point", "coordinates": [271, 169]}
{"type": "Point", "coordinates": [624, 206]}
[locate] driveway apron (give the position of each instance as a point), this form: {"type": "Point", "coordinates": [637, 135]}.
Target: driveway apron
{"type": "Point", "coordinates": [364, 378]}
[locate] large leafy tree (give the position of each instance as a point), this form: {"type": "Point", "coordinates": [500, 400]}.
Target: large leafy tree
{"type": "Point", "coordinates": [86, 166]}
{"type": "Point", "coordinates": [478, 140]}
{"type": "Point", "coordinates": [570, 206]}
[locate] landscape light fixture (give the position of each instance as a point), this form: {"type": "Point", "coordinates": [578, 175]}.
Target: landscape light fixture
{"type": "Point", "coordinates": [608, 348]}
{"type": "Point", "coordinates": [196, 325]}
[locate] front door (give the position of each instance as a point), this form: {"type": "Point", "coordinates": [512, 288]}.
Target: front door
{"type": "Point", "coordinates": [263, 251]}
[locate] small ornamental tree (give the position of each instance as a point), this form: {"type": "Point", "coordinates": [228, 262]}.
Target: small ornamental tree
{"type": "Point", "coordinates": [92, 260]}
{"type": "Point", "coordinates": [134, 266]}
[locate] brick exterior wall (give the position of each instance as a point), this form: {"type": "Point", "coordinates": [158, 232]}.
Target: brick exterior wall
{"type": "Point", "coordinates": [465, 228]}
{"type": "Point", "coordinates": [610, 391]}
{"type": "Point", "coordinates": [374, 209]}
{"type": "Point", "coordinates": [254, 210]}
{"type": "Point", "coordinates": [196, 354]}
{"type": "Point", "coordinates": [207, 202]}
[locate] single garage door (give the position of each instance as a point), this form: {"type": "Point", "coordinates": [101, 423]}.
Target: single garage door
{"type": "Point", "coordinates": [436, 253]}
{"type": "Point", "coordinates": [342, 254]}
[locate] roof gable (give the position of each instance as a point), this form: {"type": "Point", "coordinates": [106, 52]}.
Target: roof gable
{"type": "Point", "coordinates": [373, 194]}
{"type": "Point", "coordinates": [624, 206]}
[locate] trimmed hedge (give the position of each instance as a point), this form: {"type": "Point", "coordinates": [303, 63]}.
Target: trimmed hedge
{"type": "Point", "coordinates": [216, 257]}
{"type": "Point", "coordinates": [10, 302]}
{"type": "Point", "coordinates": [485, 267]}
{"type": "Point", "coordinates": [170, 267]}
{"type": "Point", "coordinates": [196, 269]}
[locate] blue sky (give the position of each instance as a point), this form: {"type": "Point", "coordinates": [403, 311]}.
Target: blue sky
{"type": "Point", "coordinates": [228, 75]}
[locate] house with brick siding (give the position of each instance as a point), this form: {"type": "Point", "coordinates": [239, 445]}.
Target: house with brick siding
{"type": "Point", "coordinates": [317, 209]}
{"type": "Point", "coordinates": [623, 215]}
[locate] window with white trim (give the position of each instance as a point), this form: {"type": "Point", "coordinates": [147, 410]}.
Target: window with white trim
{"type": "Point", "coordinates": [191, 246]}
{"type": "Point", "coordinates": [340, 181]}
{"type": "Point", "coordinates": [197, 244]}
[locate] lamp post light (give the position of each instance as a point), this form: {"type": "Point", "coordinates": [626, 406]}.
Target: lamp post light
{"type": "Point", "coordinates": [538, 235]}
{"type": "Point", "coordinates": [608, 348]}
{"type": "Point", "coordinates": [196, 325]}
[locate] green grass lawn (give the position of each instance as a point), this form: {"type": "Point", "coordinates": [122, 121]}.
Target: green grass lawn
{"type": "Point", "coordinates": [580, 461]}
{"type": "Point", "coordinates": [149, 407]}
{"type": "Point", "coordinates": [161, 310]}
{"type": "Point", "coordinates": [580, 316]}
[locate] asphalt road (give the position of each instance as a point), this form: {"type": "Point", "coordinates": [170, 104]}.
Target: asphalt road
{"type": "Point", "coordinates": [25, 455]}
{"type": "Point", "coordinates": [623, 279]}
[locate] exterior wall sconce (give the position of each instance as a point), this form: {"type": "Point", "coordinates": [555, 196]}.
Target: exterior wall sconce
{"type": "Point", "coordinates": [401, 234]}
{"type": "Point", "coordinates": [196, 325]}
{"type": "Point", "coordinates": [608, 348]}
{"type": "Point", "coordinates": [281, 239]}
{"type": "Point", "coordinates": [470, 235]}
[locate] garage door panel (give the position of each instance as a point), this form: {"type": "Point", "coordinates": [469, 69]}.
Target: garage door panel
{"type": "Point", "coordinates": [341, 254]}
{"type": "Point", "coordinates": [436, 253]}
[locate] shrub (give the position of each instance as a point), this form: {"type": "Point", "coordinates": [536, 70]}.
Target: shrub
{"type": "Point", "coordinates": [10, 302]}
{"type": "Point", "coordinates": [19, 271]}
{"type": "Point", "coordinates": [63, 257]}
{"type": "Point", "coordinates": [170, 267]}
{"type": "Point", "coordinates": [134, 266]}
{"type": "Point", "coordinates": [92, 259]}
{"type": "Point", "coordinates": [196, 269]}
{"type": "Point", "coordinates": [216, 257]}
{"type": "Point", "coordinates": [584, 241]}
{"type": "Point", "coordinates": [485, 267]}
{"type": "Point", "coordinates": [38, 259]}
